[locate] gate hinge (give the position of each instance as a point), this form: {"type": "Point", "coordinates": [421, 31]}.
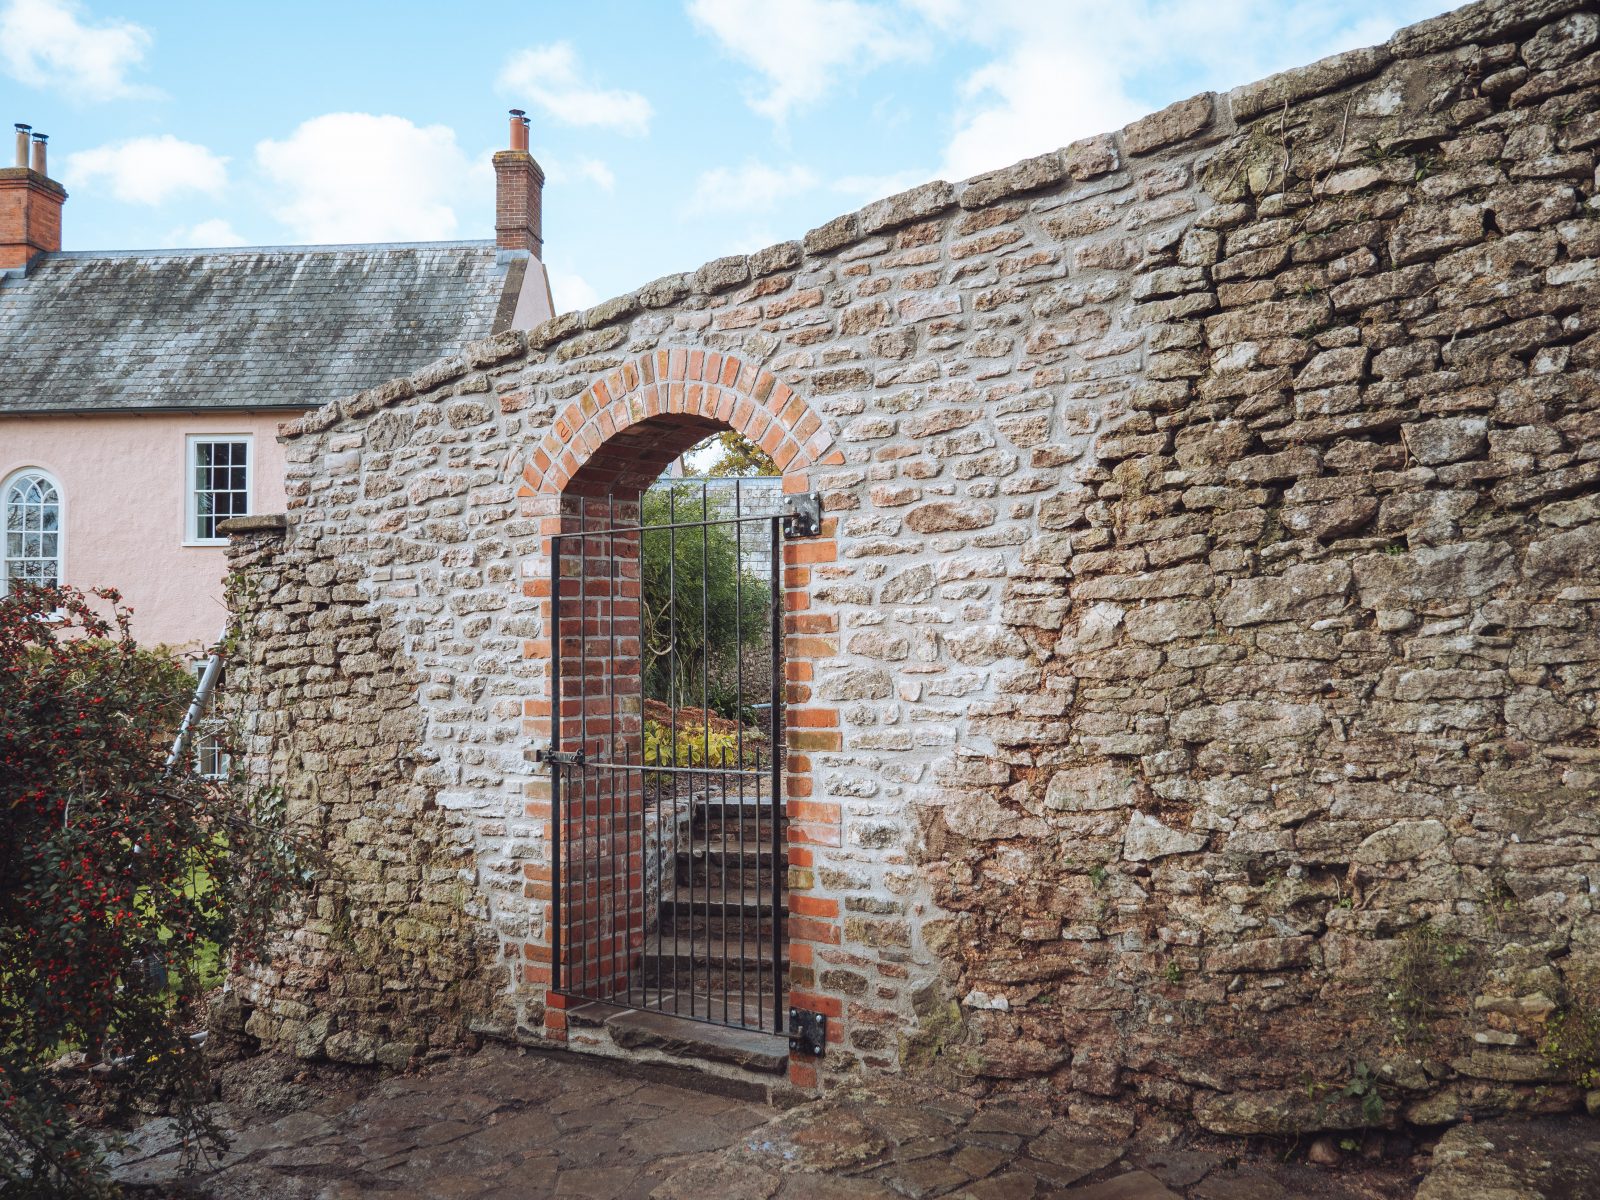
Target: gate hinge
{"type": "Point", "coordinates": [802, 515]}
{"type": "Point", "coordinates": [808, 1032]}
{"type": "Point", "coordinates": [564, 758]}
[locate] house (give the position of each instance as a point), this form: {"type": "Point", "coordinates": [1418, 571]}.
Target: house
{"type": "Point", "coordinates": [141, 391]}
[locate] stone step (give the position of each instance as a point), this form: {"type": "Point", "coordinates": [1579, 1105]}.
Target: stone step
{"type": "Point", "coordinates": [709, 964]}
{"type": "Point", "coordinates": [752, 834]}
{"type": "Point", "coordinates": [719, 912]}
{"type": "Point", "coordinates": [730, 866]}
{"type": "Point", "coordinates": [731, 808]}
{"type": "Point", "coordinates": [658, 1028]}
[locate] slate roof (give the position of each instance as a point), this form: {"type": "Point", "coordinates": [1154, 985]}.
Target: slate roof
{"type": "Point", "coordinates": [258, 327]}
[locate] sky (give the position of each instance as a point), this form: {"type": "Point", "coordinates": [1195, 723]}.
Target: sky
{"type": "Point", "coordinates": [671, 131]}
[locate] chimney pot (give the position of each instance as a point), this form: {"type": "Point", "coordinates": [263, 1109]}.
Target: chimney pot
{"type": "Point", "coordinates": [22, 143]}
{"type": "Point", "coordinates": [519, 130]}
{"type": "Point", "coordinates": [39, 140]}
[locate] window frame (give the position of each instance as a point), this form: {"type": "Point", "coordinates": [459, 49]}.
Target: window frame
{"type": "Point", "coordinates": [191, 509]}
{"type": "Point", "coordinates": [6, 484]}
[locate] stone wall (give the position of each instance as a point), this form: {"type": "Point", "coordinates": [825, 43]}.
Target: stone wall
{"type": "Point", "coordinates": [1196, 682]}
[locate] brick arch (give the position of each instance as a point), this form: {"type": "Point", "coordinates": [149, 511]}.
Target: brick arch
{"type": "Point", "coordinates": [623, 430]}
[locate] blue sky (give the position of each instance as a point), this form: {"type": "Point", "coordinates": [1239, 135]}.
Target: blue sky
{"type": "Point", "coordinates": [672, 131]}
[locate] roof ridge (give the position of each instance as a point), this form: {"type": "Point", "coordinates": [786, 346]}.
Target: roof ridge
{"type": "Point", "coordinates": [328, 248]}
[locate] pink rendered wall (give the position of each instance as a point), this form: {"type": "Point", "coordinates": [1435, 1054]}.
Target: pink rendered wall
{"type": "Point", "coordinates": [123, 478]}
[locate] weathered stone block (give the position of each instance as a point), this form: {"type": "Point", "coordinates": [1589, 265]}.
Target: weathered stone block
{"type": "Point", "coordinates": [1175, 123]}
{"type": "Point", "coordinates": [1147, 839]}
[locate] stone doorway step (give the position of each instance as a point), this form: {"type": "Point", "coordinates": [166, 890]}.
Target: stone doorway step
{"type": "Point", "coordinates": [639, 1029]}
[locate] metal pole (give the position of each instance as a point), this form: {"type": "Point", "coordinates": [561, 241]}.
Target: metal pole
{"type": "Point", "coordinates": [555, 767]}
{"type": "Point", "coordinates": [774, 721]}
{"type": "Point", "coordinates": [197, 706]}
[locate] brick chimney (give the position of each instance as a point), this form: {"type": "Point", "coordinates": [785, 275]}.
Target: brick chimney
{"type": "Point", "coordinates": [518, 193]}
{"type": "Point", "coordinates": [30, 204]}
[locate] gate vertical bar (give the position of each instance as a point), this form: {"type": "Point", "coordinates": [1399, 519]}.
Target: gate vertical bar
{"type": "Point", "coordinates": [775, 720]}
{"type": "Point", "coordinates": [705, 735]}
{"type": "Point", "coordinates": [738, 761]}
{"type": "Point", "coordinates": [556, 831]}
{"type": "Point", "coordinates": [672, 752]}
{"type": "Point", "coordinates": [591, 911]}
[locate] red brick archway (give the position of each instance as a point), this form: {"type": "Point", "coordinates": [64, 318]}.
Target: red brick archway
{"type": "Point", "coordinates": [629, 425]}
{"type": "Point", "coordinates": [602, 450]}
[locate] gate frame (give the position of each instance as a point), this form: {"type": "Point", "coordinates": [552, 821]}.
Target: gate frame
{"type": "Point", "coordinates": [612, 440]}
{"type": "Point", "coordinates": [567, 766]}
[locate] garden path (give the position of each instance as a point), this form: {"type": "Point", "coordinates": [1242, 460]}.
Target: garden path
{"type": "Point", "coordinates": [506, 1123]}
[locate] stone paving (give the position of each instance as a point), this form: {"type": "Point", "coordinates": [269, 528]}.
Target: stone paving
{"type": "Point", "coordinates": [506, 1123]}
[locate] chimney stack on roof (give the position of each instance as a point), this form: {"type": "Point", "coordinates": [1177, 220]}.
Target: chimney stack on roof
{"type": "Point", "coordinates": [519, 193]}
{"type": "Point", "coordinates": [30, 204]}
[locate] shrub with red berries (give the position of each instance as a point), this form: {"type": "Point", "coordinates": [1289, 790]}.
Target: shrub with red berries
{"type": "Point", "coordinates": [118, 877]}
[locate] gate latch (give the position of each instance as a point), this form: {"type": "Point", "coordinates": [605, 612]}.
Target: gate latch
{"type": "Point", "coordinates": [802, 515]}
{"type": "Point", "coordinates": [808, 1032]}
{"type": "Point", "coordinates": [561, 758]}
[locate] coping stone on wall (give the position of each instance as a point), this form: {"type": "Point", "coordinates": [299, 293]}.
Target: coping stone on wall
{"type": "Point", "coordinates": [502, 347]}
{"type": "Point", "coordinates": [607, 312]}
{"type": "Point", "coordinates": [840, 231]}
{"type": "Point", "coordinates": [780, 257]}
{"type": "Point", "coordinates": [1175, 123]}
{"type": "Point", "coordinates": [437, 374]}
{"type": "Point", "coordinates": [914, 204]}
{"type": "Point", "coordinates": [1302, 83]}
{"type": "Point", "coordinates": [720, 274]}
{"type": "Point", "coordinates": [542, 337]}
{"type": "Point", "coordinates": [1029, 175]}
{"type": "Point", "coordinates": [663, 292]}
{"type": "Point", "coordinates": [261, 523]}
{"type": "Point", "coordinates": [1488, 20]}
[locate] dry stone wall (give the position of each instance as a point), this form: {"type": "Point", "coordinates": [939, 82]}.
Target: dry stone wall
{"type": "Point", "coordinates": [1201, 657]}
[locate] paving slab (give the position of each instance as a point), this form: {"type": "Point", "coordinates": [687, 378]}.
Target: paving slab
{"type": "Point", "coordinates": [509, 1123]}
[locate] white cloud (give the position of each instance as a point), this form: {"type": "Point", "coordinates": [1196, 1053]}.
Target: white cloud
{"type": "Point", "coordinates": [215, 232]}
{"type": "Point", "coordinates": [801, 46]}
{"type": "Point", "coordinates": [569, 170]}
{"type": "Point", "coordinates": [207, 234]}
{"type": "Point", "coordinates": [570, 291]}
{"type": "Point", "coordinates": [863, 188]}
{"type": "Point", "coordinates": [1071, 69]}
{"type": "Point", "coordinates": [754, 187]}
{"type": "Point", "coordinates": [50, 43]}
{"type": "Point", "coordinates": [358, 177]}
{"type": "Point", "coordinates": [597, 173]}
{"type": "Point", "coordinates": [148, 170]}
{"type": "Point", "coordinates": [751, 240]}
{"type": "Point", "coordinates": [1031, 101]}
{"type": "Point", "coordinates": [550, 77]}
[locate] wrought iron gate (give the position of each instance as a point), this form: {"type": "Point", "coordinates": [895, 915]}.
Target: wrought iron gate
{"type": "Point", "coordinates": [666, 760]}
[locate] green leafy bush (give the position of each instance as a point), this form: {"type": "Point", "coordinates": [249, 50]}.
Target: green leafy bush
{"type": "Point", "coordinates": [693, 746]}
{"type": "Point", "coordinates": [699, 606]}
{"type": "Point", "coordinates": [120, 879]}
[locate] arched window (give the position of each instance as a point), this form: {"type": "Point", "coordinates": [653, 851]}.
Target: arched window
{"type": "Point", "coordinates": [32, 530]}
